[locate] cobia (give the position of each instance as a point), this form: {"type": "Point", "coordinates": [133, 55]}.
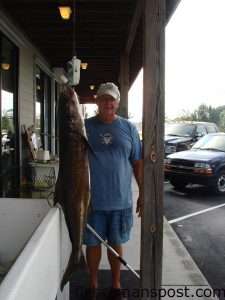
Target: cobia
{"type": "Point", "coordinates": [72, 187]}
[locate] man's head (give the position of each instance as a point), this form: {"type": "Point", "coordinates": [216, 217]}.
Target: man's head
{"type": "Point", "coordinates": [108, 97]}
{"type": "Point", "coordinates": [109, 88]}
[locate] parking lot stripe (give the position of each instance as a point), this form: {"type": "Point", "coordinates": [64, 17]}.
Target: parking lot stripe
{"type": "Point", "coordinates": [194, 214]}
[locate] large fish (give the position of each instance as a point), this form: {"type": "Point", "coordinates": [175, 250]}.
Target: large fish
{"type": "Point", "coordinates": [72, 187]}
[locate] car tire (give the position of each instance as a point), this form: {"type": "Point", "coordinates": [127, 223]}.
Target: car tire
{"type": "Point", "coordinates": [178, 184]}
{"type": "Point", "coordinates": [219, 185]}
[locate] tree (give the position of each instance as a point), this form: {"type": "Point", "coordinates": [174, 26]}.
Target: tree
{"type": "Point", "coordinates": [222, 120]}
{"type": "Point", "coordinates": [203, 113]}
{"type": "Point", "coordinates": [7, 120]}
{"type": "Point", "coordinates": [185, 116]}
{"type": "Point", "coordinates": [214, 115]}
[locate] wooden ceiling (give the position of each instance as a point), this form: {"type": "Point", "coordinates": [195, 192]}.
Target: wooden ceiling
{"type": "Point", "coordinates": [102, 31]}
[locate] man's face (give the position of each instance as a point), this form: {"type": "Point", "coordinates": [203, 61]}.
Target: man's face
{"type": "Point", "coordinates": [107, 105]}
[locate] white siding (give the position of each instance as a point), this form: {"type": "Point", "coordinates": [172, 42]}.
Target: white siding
{"type": "Point", "coordinates": [26, 87]}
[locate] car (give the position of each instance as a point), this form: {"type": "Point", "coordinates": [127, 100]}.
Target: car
{"type": "Point", "coordinates": [181, 136]}
{"type": "Point", "coordinates": [203, 164]}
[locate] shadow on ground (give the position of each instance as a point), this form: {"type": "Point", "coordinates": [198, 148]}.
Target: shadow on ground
{"type": "Point", "coordinates": [129, 283]}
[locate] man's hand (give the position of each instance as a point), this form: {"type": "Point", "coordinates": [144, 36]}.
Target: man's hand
{"type": "Point", "coordinates": [138, 207]}
{"type": "Point", "coordinates": [137, 168]}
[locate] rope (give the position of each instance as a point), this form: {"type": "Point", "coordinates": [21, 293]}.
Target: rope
{"type": "Point", "coordinates": [74, 51]}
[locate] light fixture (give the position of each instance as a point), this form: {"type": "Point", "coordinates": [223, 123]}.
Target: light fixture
{"type": "Point", "coordinates": [65, 12]}
{"type": "Point", "coordinates": [5, 66]}
{"type": "Point", "coordinates": [84, 66]}
{"type": "Point", "coordinates": [95, 96]}
{"type": "Point", "coordinates": [92, 87]}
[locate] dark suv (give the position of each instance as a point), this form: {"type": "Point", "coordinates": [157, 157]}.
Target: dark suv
{"type": "Point", "coordinates": [182, 136]}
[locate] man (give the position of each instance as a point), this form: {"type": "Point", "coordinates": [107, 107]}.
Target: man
{"type": "Point", "coordinates": [118, 148]}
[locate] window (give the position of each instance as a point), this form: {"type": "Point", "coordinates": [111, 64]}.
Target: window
{"type": "Point", "coordinates": [9, 112]}
{"type": "Point", "coordinates": [43, 107]}
{"type": "Point", "coordinates": [201, 130]}
{"type": "Point", "coordinates": [211, 128]}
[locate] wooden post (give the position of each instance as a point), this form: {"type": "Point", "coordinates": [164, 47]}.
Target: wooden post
{"type": "Point", "coordinates": [153, 148]}
{"type": "Point", "coordinates": [124, 86]}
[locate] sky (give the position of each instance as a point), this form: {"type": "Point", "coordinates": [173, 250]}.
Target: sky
{"type": "Point", "coordinates": [7, 101]}
{"type": "Point", "coordinates": [195, 60]}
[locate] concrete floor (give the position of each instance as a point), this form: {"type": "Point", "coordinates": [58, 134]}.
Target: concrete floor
{"type": "Point", "coordinates": [181, 278]}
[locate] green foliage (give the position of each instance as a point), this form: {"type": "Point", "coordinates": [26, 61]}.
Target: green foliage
{"type": "Point", "coordinates": [205, 113]}
{"type": "Point", "coordinates": [185, 116]}
{"type": "Point", "coordinates": [222, 120]}
{"type": "Point", "coordinates": [38, 123]}
{"type": "Point", "coordinates": [202, 113]}
{"type": "Point", "coordinates": [7, 120]}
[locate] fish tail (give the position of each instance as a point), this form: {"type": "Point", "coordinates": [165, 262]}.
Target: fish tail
{"type": "Point", "coordinates": [72, 268]}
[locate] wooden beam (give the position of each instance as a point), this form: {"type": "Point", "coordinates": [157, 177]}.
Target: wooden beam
{"type": "Point", "coordinates": [153, 146]}
{"type": "Point", "coordinates": [124, 86]}
{"type": "Point", "coordinates": [87, 100]}
{"type": "Point", "coordinates": [134, 24]}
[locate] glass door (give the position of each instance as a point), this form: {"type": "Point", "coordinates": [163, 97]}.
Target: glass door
{"type": "Point", "coordinates": [9, 113]}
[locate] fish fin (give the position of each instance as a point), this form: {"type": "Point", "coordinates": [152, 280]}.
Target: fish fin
{"type": "Point", "coordinates": [89, 147]}
{"type": "Point", "coordinates": [72, 268]}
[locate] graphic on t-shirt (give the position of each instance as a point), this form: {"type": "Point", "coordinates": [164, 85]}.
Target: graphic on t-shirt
{"type": "Point", "coordinates": [107, 138]}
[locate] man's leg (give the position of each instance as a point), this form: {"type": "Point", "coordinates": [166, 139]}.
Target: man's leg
{"type": "Point", "coordinates": [120, 222]}
{"type": "Point", "coordinates": [115, 265]}
{"type": "Point", "coordinates": [93, 256]}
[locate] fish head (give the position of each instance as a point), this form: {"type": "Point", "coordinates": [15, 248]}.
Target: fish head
{"type": "Point", "coordinates": [69, 113]}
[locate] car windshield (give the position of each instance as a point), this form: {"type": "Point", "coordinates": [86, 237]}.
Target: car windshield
{"type": "Point", "coordinates": [211, 142]}
{"type": "Point", "coordinates": [179, 129]}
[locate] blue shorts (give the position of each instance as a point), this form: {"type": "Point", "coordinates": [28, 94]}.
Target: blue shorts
{"type": "Point", "coordinates": [114, 226]}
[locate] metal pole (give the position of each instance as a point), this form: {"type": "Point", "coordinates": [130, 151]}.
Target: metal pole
{"type": "Point", "coordinates": [113, 251]}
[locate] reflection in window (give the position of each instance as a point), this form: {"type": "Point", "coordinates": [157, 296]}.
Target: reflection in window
{"type": "Point", "coordinates": [7, 121]}
{"type": "Point", "coordinates": [38, 117]}
{"type": "Point", "coordinates": [43, 107]}
{"type": "Point", "coordinates": [8, 112]}
{"type": "Point", "coordinates": [38, 108]}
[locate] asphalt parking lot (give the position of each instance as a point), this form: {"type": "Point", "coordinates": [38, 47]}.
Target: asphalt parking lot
{"type": "Point", "coordinates": [198, 217]}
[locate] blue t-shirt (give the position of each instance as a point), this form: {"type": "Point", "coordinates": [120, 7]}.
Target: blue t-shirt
{"type": "Point", "coordinates": [116, 145]}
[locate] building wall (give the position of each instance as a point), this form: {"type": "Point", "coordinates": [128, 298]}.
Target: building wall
{"type": "Point", "coordinates": [26, 87]}
{"type": "Point", "coordinates": [29, 56]}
